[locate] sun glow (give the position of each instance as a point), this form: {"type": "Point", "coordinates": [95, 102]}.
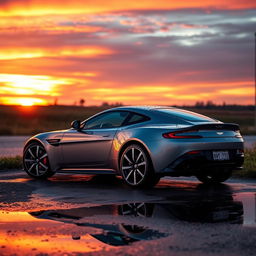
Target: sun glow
{"type": "Point", "coordinates": [24, 88]}
{"type": "Point", "coordinates": [40, 7]}
{"type": "Point", "coordinates": [81, 52]}
{"type": "Point", "coordinates": [26, 102]}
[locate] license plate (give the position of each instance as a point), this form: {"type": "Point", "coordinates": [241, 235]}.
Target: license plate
{"type": "Point", "coordinates": [220, 155]}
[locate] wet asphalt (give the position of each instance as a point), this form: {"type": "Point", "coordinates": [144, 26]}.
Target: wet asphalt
{"type": "Point", "coordinates": [99, 215]}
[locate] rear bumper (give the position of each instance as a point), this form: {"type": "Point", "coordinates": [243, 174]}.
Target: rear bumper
{"type": "Point", "coordinates": [194, 162]}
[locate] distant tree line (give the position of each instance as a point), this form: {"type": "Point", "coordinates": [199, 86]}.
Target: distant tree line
{"type": "Point", "coordinates": [116, 104]}
{"type": "Point", "coordinates": [199, 105]}
{"type": "Point", "coordinates": [212, 105]}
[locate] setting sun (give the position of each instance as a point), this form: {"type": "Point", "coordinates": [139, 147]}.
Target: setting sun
{"type": "Point", "coordinates": [23, 101]}
{"type": "Point", "coordinates": [22, 89]}
{"type": "Point", "coordinates": [26, 102]}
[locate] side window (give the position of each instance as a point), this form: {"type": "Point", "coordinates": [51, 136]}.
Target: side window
{"type": "Point", "coordinates": [136, 118]}
{"type": "Point", "coordinates": [107, 120]}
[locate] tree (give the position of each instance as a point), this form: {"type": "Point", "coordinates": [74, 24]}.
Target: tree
{"type": "Point", "coordinates": [81, 102]}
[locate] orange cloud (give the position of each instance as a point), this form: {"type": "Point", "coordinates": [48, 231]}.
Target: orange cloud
{"type": "Point", "coordinates": [27, 53]}
{"type": "Point", "coordinates": [166, 94]}
{"type": "Point", "coordinates": [41, 7]}
{"type": "Point", "coordinates": [243, 91]}
{"type": "Point", "coordinates": [68, 91]}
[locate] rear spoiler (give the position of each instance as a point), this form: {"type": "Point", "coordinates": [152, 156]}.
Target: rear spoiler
{"type": "Point", "coordinates": [215, 126]}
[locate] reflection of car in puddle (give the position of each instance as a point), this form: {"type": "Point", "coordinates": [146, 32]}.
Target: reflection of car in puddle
{"type": "Point", "coordinates": [223, 209]}
{"type": "Point", "coordinates": [113, 234]}
{"type": "Point", "coordinates": [210, 212]}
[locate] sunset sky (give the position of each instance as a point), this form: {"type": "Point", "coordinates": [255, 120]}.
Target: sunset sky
{"type": "Point", "coordinates": [134, 52]}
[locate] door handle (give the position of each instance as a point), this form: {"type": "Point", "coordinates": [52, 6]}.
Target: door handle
{"type": "Point", "coordinates": [106, 135]}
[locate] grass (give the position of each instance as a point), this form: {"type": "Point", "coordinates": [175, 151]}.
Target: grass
{"type": "Point", "coordinates": [249, 170]}
{"type": "Point", "coordinates": [32, 120]}
{"type": "Point", "coordinates": [7, 163]}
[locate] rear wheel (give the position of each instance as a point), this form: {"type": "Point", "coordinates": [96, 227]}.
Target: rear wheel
{"type": "Point", "coordinates": [136, 167]}
{"type": "Point", "coordinates": [217, 176]}
{"type": "Point", "coordinates": [36, 162]}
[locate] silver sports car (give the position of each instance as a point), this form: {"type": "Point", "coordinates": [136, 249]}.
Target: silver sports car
{"type": "Point", "coordinates": [141, 144]}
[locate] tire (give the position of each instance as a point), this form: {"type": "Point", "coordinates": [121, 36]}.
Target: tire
{"type": "Point", "coordinates": [216, 176]}
{"type": "Point", "coordinates": [136, 209]}
{"type": "Point", "coordinates": [36, 162]}
{"type": "Point", "coordinates": [136, 167]}
{"type": "Point", "coordinates": [141, 210]}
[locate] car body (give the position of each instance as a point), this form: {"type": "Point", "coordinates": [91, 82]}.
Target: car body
{"type": "Point", "coordinates": [140, 143]}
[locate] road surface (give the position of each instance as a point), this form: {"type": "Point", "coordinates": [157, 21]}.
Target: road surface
{"type": "Point", "coordinates": [89, 215]}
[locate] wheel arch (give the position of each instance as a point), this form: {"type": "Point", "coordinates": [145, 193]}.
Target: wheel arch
{"type": "Point", "coordinates": [137, 142]}
{"type": "Point", "coordinates": [33, 140]}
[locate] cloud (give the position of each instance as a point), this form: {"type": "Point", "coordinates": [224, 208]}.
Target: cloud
{"type": "Point", "coordinates": [46, 7]}
{"type": "Point", "coordinates": [149, 56]}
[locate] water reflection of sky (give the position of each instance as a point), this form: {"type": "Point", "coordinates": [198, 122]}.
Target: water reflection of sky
{"type": "Point", "coordinates": [21, 232]}
{"type": "Point", "coordinates": [249, 205]}
{"type": "Point", "coordinates": [62, 231]}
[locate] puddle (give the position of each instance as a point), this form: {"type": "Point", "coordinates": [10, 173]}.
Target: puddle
{"type": "Point", "coordinates": [17, 180]}
{"type": "Point", "coordinates": [106, 227]}
{"type": "Point", "coordinates": [239, 208]}
{"type": "Point", "coordinates": [22, 233]}
{"type": "Point", "coordinates": [67, 231]}
{"type": "Point", "coordinates": [124, 218]}
{"type": "Point", "coordinates": [248, 199]}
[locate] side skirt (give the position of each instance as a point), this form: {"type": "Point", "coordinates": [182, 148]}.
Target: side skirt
{"type": "Point", "coordinates": [87, 171]}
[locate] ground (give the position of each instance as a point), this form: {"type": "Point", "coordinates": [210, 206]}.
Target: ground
{"type": "Point", "coordinates": [90, 215]}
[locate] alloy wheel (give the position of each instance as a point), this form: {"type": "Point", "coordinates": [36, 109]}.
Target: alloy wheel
{"type": "Point", "coordinates": [36, 160]}
{"type": "Point", "coordinates": [134, 209]}
{"type": "Point", "coordinates": [134, 165]}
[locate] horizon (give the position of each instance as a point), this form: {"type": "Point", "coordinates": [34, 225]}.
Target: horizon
{"type": "Point", "coordinates": [134, 53]}
{"type": "Point", "coordinates": [106, 104]}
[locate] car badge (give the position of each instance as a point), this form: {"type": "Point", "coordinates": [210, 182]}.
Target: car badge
{"type": "Point", "coordinates": [219, 133]}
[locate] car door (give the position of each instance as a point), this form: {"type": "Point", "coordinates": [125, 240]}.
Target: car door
{"type": "Point", "coordinates": [90, 146]}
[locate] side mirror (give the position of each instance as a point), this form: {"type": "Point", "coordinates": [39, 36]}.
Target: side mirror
{"type": "Point", "coordinates": [76, 125]}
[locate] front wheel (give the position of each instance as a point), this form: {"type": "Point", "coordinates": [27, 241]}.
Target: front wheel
{"type": "Point", "coordinates": [36, 162]}
{"type": "Point", "coordinates": [136, 167]}
{"type": "Point", "coordinates": [217, 176]}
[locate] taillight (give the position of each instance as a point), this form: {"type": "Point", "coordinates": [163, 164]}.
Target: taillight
{"type": "Point", "coordinates": [181, 135]}
{"type": "Point", "coordinates": [239, 151]}
{"type": "Point", "coordinates": [238, 134]}
{"type": "Point", "coordinates": [193, 152]}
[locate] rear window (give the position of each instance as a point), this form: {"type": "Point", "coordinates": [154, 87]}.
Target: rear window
{"type": "Point", "coordinates": [136, 118]}
{"type": "Point", "coordinates": [186, 115]}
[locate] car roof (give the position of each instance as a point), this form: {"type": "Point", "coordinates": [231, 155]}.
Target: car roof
{"type": "Point", "coordinates": [141, 107]}
{"type": "Point", "coordinates": [146, 110]}
{"type": "Point", "coordinates": [160, 112]}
